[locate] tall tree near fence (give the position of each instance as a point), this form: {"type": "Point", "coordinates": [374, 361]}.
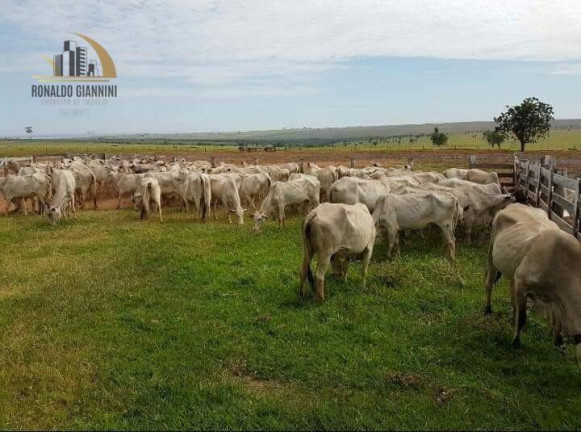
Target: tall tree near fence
{"type": "Point", "coordinates": [28, 130]}
{"type": "Point", "coordinates": [438, 138]}
{"type": "Point", "coordinates": [526, 122]}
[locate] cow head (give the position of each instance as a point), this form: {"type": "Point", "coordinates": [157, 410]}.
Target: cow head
{"type": "Point", "coordinates": [239, 214]}
{"type": "Point", "coordinates": [259, 218]}
{"type": "Point", "coordinates": [137, 201]}
{"type": "Point", "coordinates": [54, 214]}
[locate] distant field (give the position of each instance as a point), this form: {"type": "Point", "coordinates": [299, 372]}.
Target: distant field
{"type": "Point", "coordinates": [111, 323]}
{"type": "Point", "coordinates": [559, 140]}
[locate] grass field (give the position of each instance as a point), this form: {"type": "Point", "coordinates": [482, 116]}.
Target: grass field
{"type": "Point", "coordinates": [108, 322]}
{"type": "Point", "coordinates": [558, 140]}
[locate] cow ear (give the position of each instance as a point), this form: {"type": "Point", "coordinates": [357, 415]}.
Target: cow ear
{"type": "Point", "coordinates": [244, 210]}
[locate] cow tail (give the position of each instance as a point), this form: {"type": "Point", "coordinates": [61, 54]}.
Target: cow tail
{"type": "Point", "coordinates": [308, 249]}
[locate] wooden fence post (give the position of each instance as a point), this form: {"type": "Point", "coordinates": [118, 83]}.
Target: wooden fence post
{"type": "Point", "coordinates": [527, 169]}
{"type": "Point", "coordinates": [352, 162]}
{"type": "Point", "coordinates": [472, 161]}
{"type": "Point", "coordinates": [515, 174]}
{"type": "Point", "coordinates": [550, 197]}
{"type": "Point", "coordinates": [576, 210]}
{"type": "Point", "coordinates": [538, 189]}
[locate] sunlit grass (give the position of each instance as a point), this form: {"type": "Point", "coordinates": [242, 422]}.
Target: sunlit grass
{"type": "Point", "coordinates": [108, 322]}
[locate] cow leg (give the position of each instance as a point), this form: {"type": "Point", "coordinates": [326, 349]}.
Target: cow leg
{"type": "Point", "coordinates": [23, 205]}
{"type": "Point", "coordinates": [119, 201]}
{"type": "Point", "coordinates": [322, 266]}
{"type": "Point", "coordinates": [491, 278]}
{"type": "Point", "coordinates": [391, 239]}
{"type": "Point", "coordinates": [450, 240]}
{"type": "Point", "coordinates": [280, 216]}
{"type": "Point", "coordinates": [520, 312]}
{"type": "Point", "coordinates": [306, 268]}
{"type": "Point", "coordinates": [73, 206]}
{"type": "Point", "coordinates": [365, 264]}
{"type": "Point", "coordinates": [7, 207]}
{"type": "Point", "coordinates": [159, 210]}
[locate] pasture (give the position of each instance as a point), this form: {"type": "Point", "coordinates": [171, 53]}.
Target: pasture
{"type": "Point", "coordinates": [107, 322]}
{"type": "Point", "coordinates": [567, 141]}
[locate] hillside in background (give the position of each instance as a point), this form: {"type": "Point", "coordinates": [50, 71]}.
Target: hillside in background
{"type": "Point", "coordinates": [337, 133]}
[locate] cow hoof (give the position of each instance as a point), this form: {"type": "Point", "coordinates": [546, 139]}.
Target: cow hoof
{"type": "Point", "coordinates": [487, 311]}
{"type": "Point", "coordinates": [561, 349]}
{"type": "Point", "coordinates": [516, 343]}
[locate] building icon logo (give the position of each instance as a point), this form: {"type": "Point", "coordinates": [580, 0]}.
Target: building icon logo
{"type": "Point", "coordinates": [74, 65]}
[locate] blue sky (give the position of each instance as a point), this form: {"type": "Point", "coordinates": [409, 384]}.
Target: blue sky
{"type": "Point", "coordinates": [217, 65]}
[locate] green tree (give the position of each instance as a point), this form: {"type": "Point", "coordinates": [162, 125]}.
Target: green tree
{"type": "Point", "coordinates": [439, 138]}
{"type": "Point", "coordinates": [527, 122]}
{"type": "Point", "coordinates": [28, 130]}
{"type": "Point", "coordinates": [494, 138]}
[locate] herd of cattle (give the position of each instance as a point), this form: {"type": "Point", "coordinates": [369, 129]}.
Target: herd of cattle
{"type": "Point", "coordinates": [347, 209]}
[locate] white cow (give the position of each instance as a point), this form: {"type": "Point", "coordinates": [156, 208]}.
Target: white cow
{"type": "Point", "coordinates": [225, 191]}
{"type": "Point", "coordinates": [254, 186]}
{"type": "Point", "coordinates": [416, 211]}
{"type": "Point", "coordinates": [335, 233]}
{"type": "Point", "coordinates": [282, 194]}
{"type": "Point", "coordinates": [540, 261]}
{"type": "Point", "coordinates": [482, 177]}
{"type": "Point", "coordinates": [63, 200]}
{"type": "Point", "coordinates": [169, 184]}
{"type": "Point", "coordinates": [124, 184]}
{"type": "Point", "coordinates": [458, 173]}
{"type": "Point", "coordinates": [85, 182]}
{"type": "Point", "coordinates": [17, 187]}
{"type": "Point", "coordinates": [148, 190]}
{"type": "Point", "coordinates": [350, 190]}
{"type": "Point", "coordinates": [197, 189]}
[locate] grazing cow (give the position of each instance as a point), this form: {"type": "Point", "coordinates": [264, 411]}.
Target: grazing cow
{"type": "Point", "coordinates": [335, 233]}
{"type": "Point", "coordinates": [349, 190]}
{"type": "Point", "coordinates": [482, 177]}
{"type": "Point", "coordinates": [17, 187]}
{"type": "Point", "coordinates": [224, 189]}
{"type": "Point", "coordinates": [458, 173]}
{"type": "Point", "coordinates": [254, 186]}
{"type": "Point", "coordinates": [282, 194]}
{"type": "Point", "coordinates": [416, 211]}
{"type": "Point", "coordinates": [63, 200]}
{"type": "Point", "coordinates": [148, 190]}
{"type": "Point", "coordinates": [197, 189]}
{"type": "Point", "coordinates": [542, 262]}
{"type": "Point", "coordinates": [124, 184]}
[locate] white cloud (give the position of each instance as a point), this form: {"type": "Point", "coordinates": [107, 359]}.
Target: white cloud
{"type": "Point", "coordinates": [218, 43]}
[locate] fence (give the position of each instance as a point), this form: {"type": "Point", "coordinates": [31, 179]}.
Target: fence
{"type": "Point", "coordinates": [505, 170]}
{"type": "Point", "coordinates": [548, 187]}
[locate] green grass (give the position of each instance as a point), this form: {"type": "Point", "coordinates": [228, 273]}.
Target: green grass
{"type": "Point", "coordinates": [108, 322]}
